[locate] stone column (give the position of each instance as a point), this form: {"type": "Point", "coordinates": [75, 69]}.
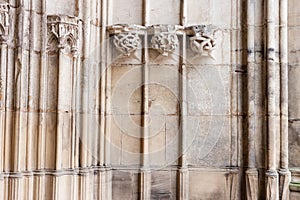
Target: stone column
{"type": "Point", "coordinates": [251, 172]}
{"type": "Point", "coordinates": [4, 23]}
{"type": "Point", "coordinates": [63, 44]}
{"type": "Point", "coordinates": [145, 168]}
{"type": "Point", "coordinates": [145, 173]}
{"type": "Point", "coordinates": [285, 175]}
{"type": "Point", "coordinates": [183, 182]}
{"type": "Point", "coordinates": [272, 94]}
{"type": "Point", "coordinates": [4, 10]}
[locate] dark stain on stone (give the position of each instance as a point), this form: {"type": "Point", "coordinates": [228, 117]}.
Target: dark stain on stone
{"type": "Point", "coordinates": [250, 51]}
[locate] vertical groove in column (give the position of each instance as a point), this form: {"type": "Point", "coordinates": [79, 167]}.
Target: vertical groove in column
{"type": "Point", "coordinates": [103, 74]}
{"type": "Point", "coordinates": [39, 187]}
{"type": "Point", "coordinates": [74, 187]}
{"type": "Point", "coordinates": [183, 95]}
{"type": "Point", "coordinates": [56, 189]}
{"type": "Point", "coordinates": [2, 186]}
{"type": "Point", "coordinates": [107, 179]}
{"type": "Point", "coordinates": [78, 92]}
{"type": "Point", "coordinates": [6, 188]}
{"type": "Point", "coordinates": [3, 107]}
{"type": "Point", "coordinates": [60, 110]}
{"type": "Point", "coordinates": [108, 88]}
{"type": "Point", "coordinates": [10, 97]}
{"type": "Point", "coordinates": [73, 111]}
{"type": "Point", "coordinates": [29, 189]}
{"type": "Point", "coordinates": [3, 110]}
{"type": "Point", "coordinates": [271, 174]}
{"type": "Point", "coordinates": [77, 114]}
{"type": "Point", "coordinates": [285, 175]}
{"type": "Point", "coordinates": [20, 88]}
{"type": "Point", "coordinates": [108, 112]}
{"type": "Point", "coordinates": [43, 82]}
{"type": "Point", "coordinates": [75, 88]}
{"type": "Point", "coordinates": [75, 102]}
{"type": "Point", "coordinates": [145, 122]}
{"type": "Point", "coordinates": [30, 110]}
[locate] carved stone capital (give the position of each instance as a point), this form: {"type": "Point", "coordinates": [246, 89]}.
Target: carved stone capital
{"type": "Point", "coordinates": [202, 41]}
{"type": "Point", "coordinates": [62, 33]}
{"type": "Point", "coordinates": [126, 37]}
{"type": "Point", "coordinates": [165, 39]}
{"type": "Point", "coordinates": [127, 43]}
{"type": "Point", "coordinates": [4, 22]}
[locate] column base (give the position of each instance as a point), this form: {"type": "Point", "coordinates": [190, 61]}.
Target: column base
{"type": "Point", "coordinates": [272, 192]}
{"type": "Point", "coordinates": [284, 182]}
{"type": "Point", "coordinates": [105, 184]}
{"type": "Point", "coordinates": [1, 186]}
{"type": "Point", "coordinates": [14, 187]}
{"type": "Point", "coordinates": [183, 184]}
{"type": "Point", "coordinates": [145, 184]}
{"type": "Point", "coordinates": [232, 186]}
{"type": "Point", "coordinates": [252, 184]}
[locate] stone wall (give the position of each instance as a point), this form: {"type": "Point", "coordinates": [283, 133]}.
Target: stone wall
{"type": "Point", "coordinates": [294, 96]}
{"type": "Point", "coordinates": [182, 99]}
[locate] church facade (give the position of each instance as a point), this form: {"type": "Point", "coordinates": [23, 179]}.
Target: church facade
{"type": "Point", "coordinates": [150, 100]}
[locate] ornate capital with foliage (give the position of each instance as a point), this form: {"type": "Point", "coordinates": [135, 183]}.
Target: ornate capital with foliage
{"type": "Point", "coordinates": [62, 33]}
{"type": "Point", "coordinates": [202, 42]}
{"type": "Point", "coordinates": [127, 37]}
{"type": "Point", "coordinates": [165, 39]}
{"type": "Point", "coordinates": [4, 22]}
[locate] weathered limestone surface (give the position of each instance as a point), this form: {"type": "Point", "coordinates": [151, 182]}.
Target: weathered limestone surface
{"type": "Point", "coordinates": [140, 99]}
{"type": "Point", "coordinates": [294, 109]}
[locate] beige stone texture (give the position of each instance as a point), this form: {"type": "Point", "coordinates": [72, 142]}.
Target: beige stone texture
{"type": "Point", "coordinates": [150, 100]}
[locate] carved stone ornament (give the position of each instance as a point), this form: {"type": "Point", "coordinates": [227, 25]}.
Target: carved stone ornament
{"type": "Point", "coordinates": [4, 21]}
{"type": "Point", "coordinates": [165, 43]}
{"type": "Point", "coordinates": [165, 39]}
{"type": "Point", "coordinates": [127, 43]}
{"type": "Point", "coordinates": [1, 85]}
{"type": "Point", "coordinates": [126, 37]}
{"type": "Point", "coordinates": [62, 33]}
{"type": "Point", "coordinates": [203, 42]}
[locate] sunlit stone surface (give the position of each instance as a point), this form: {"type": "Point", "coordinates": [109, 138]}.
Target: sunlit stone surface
{"type": "Point", "coordinates": [151, 100]}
